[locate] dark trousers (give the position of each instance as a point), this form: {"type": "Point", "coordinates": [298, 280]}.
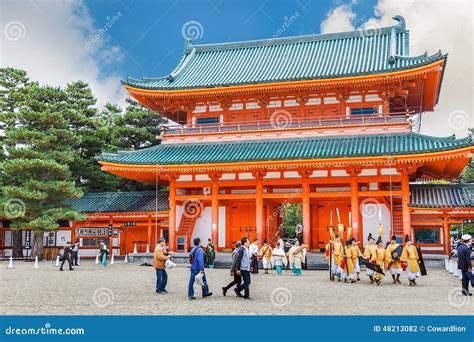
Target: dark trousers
{"type": "Point", "coordinates": [465, 283]}
{"type": "Point", "coordinates": [237, 281]}
{"type": "Point", "coordinates": [68, 261]}
{"type": "Point", "coordinates": [74, 258]}
{"type": "Point", "coordinates": [161, 279]}
{"type": "Point", "coordinates": [245, 285]}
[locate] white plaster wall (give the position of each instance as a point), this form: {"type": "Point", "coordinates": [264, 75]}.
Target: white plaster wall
{"type": "Point", "coordinates": [179, 214]}
{"type": "Point", "coordinates": [370, 221]}
{"type": "Point", "coordinates": [203, 227]}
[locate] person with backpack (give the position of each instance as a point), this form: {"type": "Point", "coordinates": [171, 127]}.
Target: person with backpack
{"type": "Point", "coordinates": [233, 268]}
{"type": "Point", "coordinates": [243, 269]}
{"type": "Point", "coordinates": [196, 259]}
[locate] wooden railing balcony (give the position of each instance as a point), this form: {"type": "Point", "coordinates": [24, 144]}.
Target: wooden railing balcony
{"type": "Point", "coordinates": [287, 122]}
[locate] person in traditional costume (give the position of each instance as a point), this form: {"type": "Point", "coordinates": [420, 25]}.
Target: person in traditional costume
{"type": "Point", "coordinates": [357, 254]}
{"type": "Point", "coordinates": [265, 254]}
{"type": "Point", "coordinates": [392, 260]}
{"type": "Point", "coordinates": [337, 253]}
{"type": "Point", "coordinates": [349, 262]}
{"type": "Point", "coordinates": [410, 257]}
{"type": "Point", "coordinates": [296, 258]}
{"type": "Point", "coordinates": [369, 255]}
{"type": "Point", "coordinates": [210, 254]}
{"type": "Point", "coordinates": [379, 260]}
{"type": "Point", "coordinates": [253, 251]}
{"type": "Point", "coordinates": [279, 258]}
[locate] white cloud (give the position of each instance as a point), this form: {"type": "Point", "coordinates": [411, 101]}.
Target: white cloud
{"type": "Point", "coordinates": [56, 42]}
{"type": "Point", "coordinates": [433, 25]}
{"type": "Point", "coordinates": [339, 19]}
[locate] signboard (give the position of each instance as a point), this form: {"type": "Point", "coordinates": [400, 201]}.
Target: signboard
{"type": "Point", "coordinates": [129, 224]}
{"type": "Point", "coordinates": [110, 230]}
{"type": "Point", "coordinates": [27, 239]}
{"type": "Point", "coordinates": [469, 221]}
{"type": "Point", "coordinates": [92, 231]}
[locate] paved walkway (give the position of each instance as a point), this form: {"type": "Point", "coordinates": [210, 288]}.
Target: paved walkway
{"type": "Point", "coordinates": [125, 289]}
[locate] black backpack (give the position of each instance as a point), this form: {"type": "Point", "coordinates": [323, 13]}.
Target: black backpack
{"type": "Point", "coordinates": [191, 255]}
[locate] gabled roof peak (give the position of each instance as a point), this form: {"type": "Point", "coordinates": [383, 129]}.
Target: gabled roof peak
{"type": "Point", "coordinates": [399, 27]}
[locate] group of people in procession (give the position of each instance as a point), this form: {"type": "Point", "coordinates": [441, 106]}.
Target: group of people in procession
{"type": "Point", "coordinates": [345, 260]}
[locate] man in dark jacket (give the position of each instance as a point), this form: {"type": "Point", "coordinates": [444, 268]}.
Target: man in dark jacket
{"type": "Point", "coordinates": [67, 256]}
{"type": "Point", "coordinates": [464, 262]}
{"type": "Point", "coordinates": [243, 269]}
{"type": "Point", "coordinates": [233, 268]}
{"type": "Point", "coordinates": [197, 267]}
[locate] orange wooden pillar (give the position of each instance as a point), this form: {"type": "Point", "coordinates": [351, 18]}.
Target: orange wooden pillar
{"type": "Point", "coordinates": [405, 205]}
{"type": "Point", "coordinates": [215, 210]}
{"type": "Point", "coordinates": [446, 234]}
{"type": "Point", "coordinates": [355, 207]}
{"type": "Point", "coordinates": [306, 210]}
{"type": "Point", "coordinates": [259, 207]}
{"type": "Point", "coordinates": [172, 215]}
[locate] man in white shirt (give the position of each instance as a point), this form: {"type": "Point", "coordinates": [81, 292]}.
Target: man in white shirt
{"type": "Point", "coordinates": [253, 251]}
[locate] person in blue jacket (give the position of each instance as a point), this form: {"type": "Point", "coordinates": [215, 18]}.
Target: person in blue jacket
{"type": "Point", "coordinates": [197, 266]}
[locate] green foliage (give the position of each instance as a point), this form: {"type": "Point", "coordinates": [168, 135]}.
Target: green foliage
{"type": "Point", "coordinates": [292, 215]}
{"type": "Point", "coordinates": [35, 173]}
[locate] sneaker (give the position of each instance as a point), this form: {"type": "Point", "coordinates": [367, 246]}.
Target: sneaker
{"type": "Point", "coordinates": [160, 292]}
{"type": "Point", "coordinates": [238, 293]}
{"type": "Point", "coordinates": [224, 291]}
{"type": "Point", "coordinates": [191, 298]}
{"type": "Point", "coordinates": [247, 298]}
{"type": "Point", "coordinates": [207, 295]}
{"type": "Point", "coordinates": [164, 291]}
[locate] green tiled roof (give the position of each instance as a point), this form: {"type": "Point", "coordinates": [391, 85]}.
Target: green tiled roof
{"type": "Point", "coordinates": [311, 57]}
{"type": "Point", "coordinates": [442, 195]}
{"type": "Point", "coordinates": [287, 149]}
{"type": "Point", "coordinates": [110, 202]}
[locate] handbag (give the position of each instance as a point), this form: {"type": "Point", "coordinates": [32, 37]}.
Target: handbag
{"type": "Point", "coordinates": [169, 264]}
{"type": "Point", "coordinates": [199, 279]}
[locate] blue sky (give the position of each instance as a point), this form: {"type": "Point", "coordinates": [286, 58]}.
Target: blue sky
{"type": "Point", "coordinates": [149, 33]}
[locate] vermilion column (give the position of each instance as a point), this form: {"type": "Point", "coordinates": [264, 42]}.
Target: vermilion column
{"type": "Point", "coordinates": [149, 233]}
{"type": "Point", "coordinates": [447, 235]}
{"type": "Point", "coordinates": [306, 211]}
{"type": "Point", "coordinates": [355, 207]}
{"type": "Point", "coordinates": [172, 215]}
{"type": "Point", "coordinates": [259, 207]}
{"type": "Point", "coordinates": [405, 205]}
{"type": "Point", "coordinates": [215, 209]}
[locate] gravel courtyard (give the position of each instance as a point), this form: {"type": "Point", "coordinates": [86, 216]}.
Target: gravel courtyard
{"type": "Point", "coordinates": [127, 289]}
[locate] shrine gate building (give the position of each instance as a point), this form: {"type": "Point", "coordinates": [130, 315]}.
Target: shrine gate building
{"type": "Point", "coordinates": [327, 121]}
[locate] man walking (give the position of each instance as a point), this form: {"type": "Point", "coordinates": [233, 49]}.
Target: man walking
{"type": "Point", "coordinates": [464, 262]}
{"type": "Point", "coordinates": [237, 278]}
{"type": "Point", "coordinates": [75, 254]}
{"type": "Point", "coordinates": [197, 268]}
{"type": "Point", "coordinates": [243, 269]}
{"type": "Point", "coordinates": [67, 256]}
{"type": "Point", "coordinates": [159, 263]}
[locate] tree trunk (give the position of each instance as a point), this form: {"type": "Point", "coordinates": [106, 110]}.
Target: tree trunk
{"type": "Point", "coordinates": [17, 243]}
{"type": "Point", "coordinates": [37, 245]}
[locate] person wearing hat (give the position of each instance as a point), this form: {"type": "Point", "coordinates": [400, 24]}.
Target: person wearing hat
{"type": "Point", "coordinates": [356, 254]}
{"type": "Point", "coordinates": [379, 260]}
{"type": "Point", "coordinates": [369, 255]}
{"type": "Point", "coordinates": [464, 262]}
{"type": "Point", "coordinates": [159, 263]}
{"type": "Point", "coordinates": [348, 272]}
{"type": "Point", "coordinates": [265, 255]}
{"type": "Point", "coordinates": [393, 264]}
{"type": "Point", "coordinates": [410, 256]}
{"type": "Point", "coordinates": [337, 253]}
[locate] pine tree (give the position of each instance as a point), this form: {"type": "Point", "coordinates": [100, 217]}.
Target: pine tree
{"type": "Point", "coordinates": [36, 174]}
{"type": "Point", "coordinates": [13, 84]}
